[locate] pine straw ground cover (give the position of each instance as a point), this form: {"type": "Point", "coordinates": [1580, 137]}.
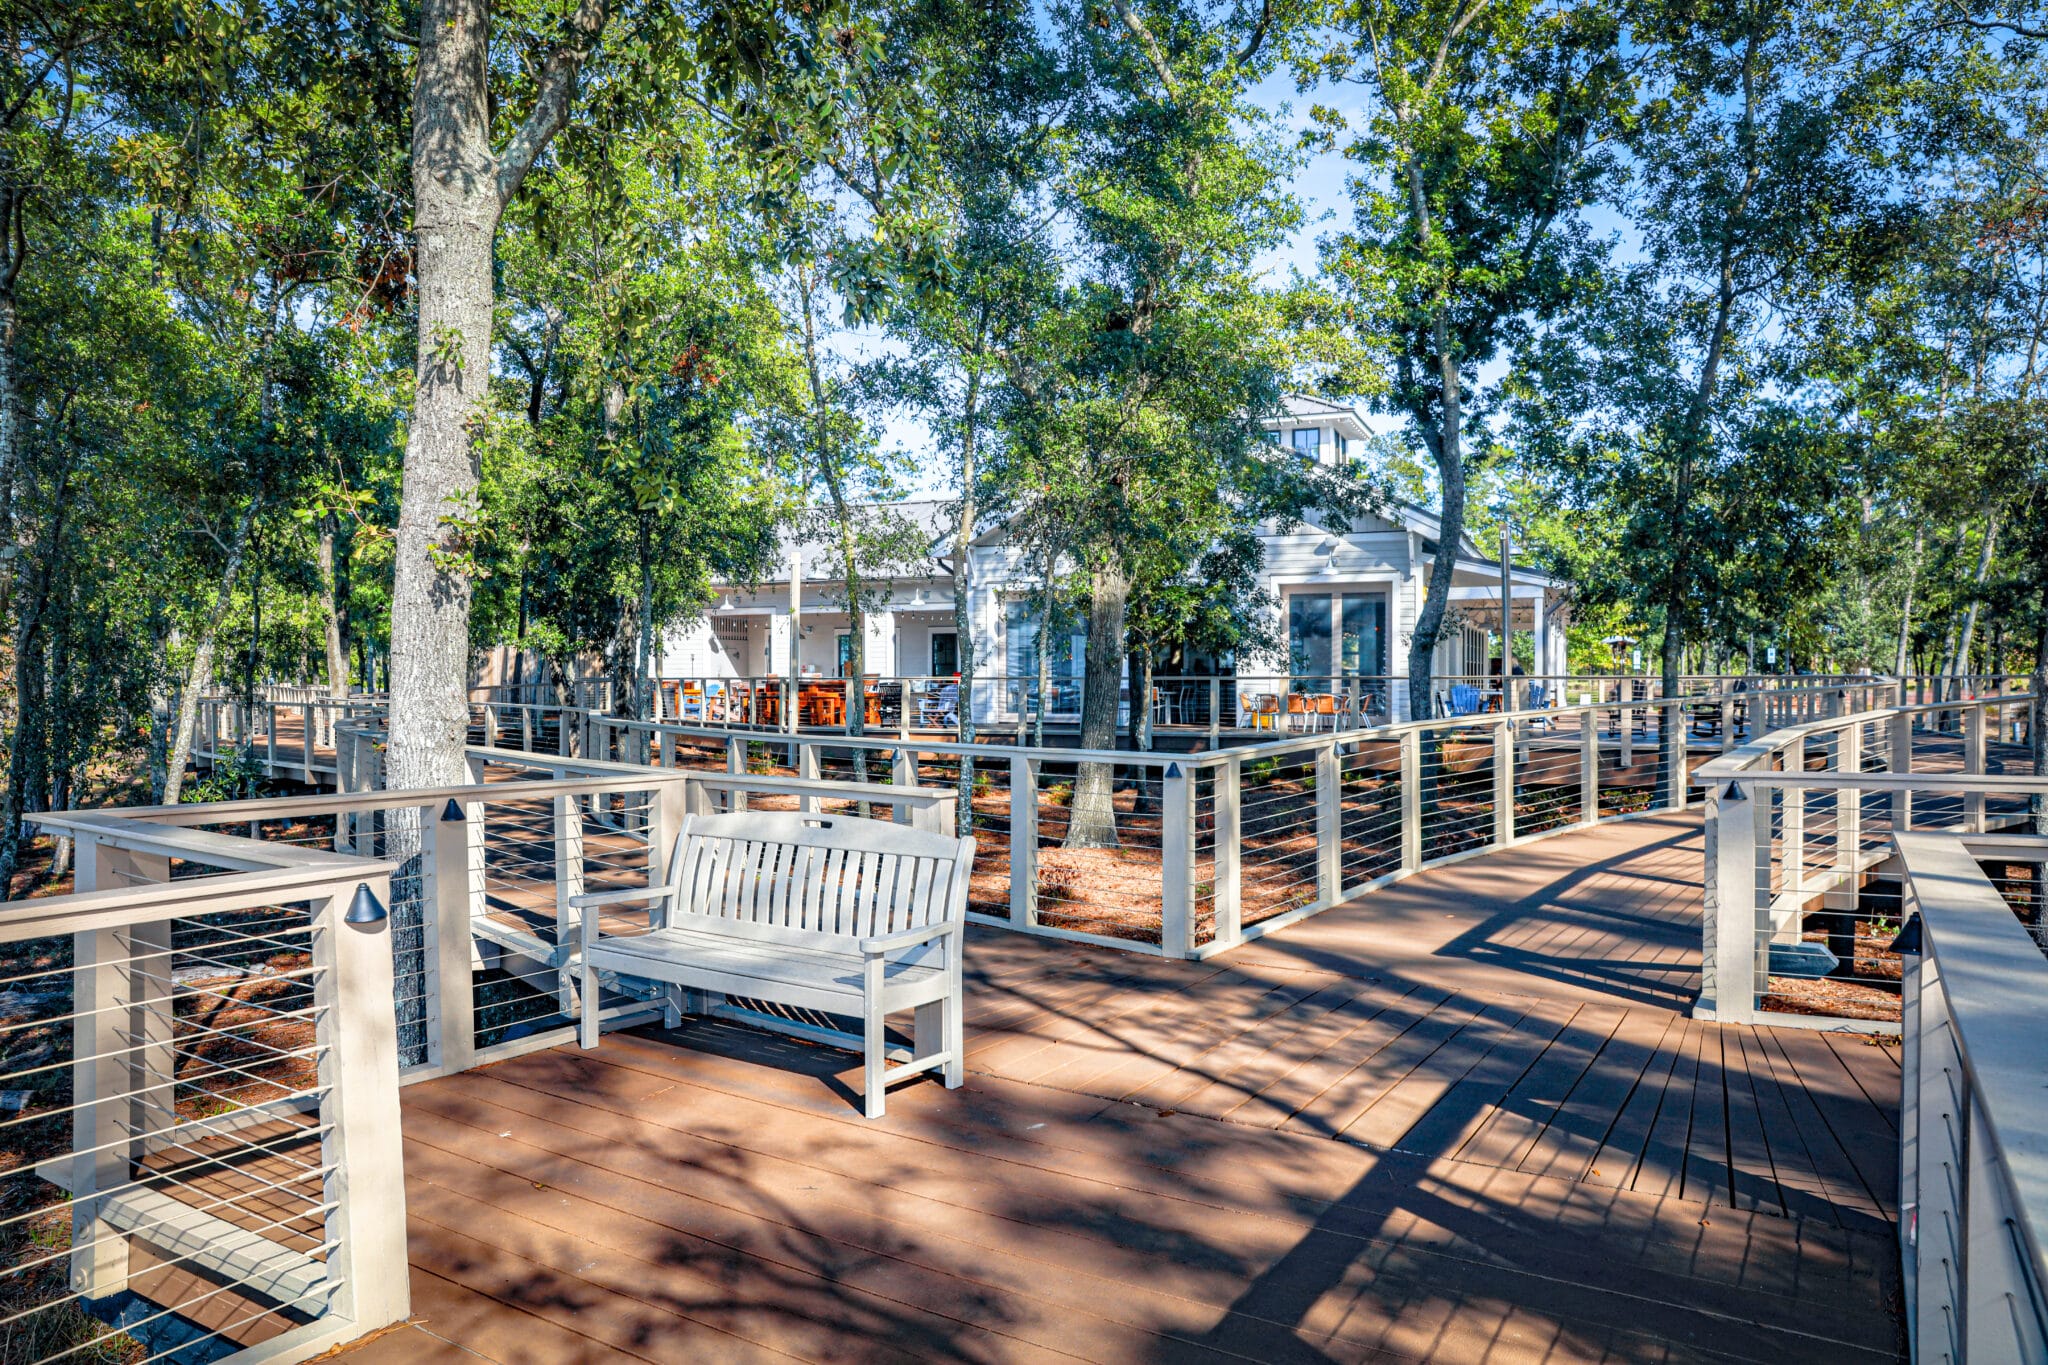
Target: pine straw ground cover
{"type": "Point", "coordinates": [242, 1058]}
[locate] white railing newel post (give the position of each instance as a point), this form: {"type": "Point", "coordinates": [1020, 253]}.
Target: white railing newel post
{"type": "Point", "coordinates": [1329, 823]}
{"type": "Point", "coordinates": [1023, 842]}
{"type": "Point", "coordinates": [1177, 861]}
{"type": "Point", "coordinates": [1229, 856]}
{"type": "Point", "coordinates": [361, 1149]}
{"type": "Point", "coordinates": [1503, 784]}
{"type": "Point", "coordinates": [1411, 800]}
{"type": "Point", "coordinates": [445, 895]}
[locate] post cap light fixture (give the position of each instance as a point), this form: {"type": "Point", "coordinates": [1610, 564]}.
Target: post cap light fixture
{"type": "Point", "coordinates": [364, 907]}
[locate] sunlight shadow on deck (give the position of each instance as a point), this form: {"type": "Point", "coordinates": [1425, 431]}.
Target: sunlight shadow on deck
{"type": "Point", "coordinates": [1609, 913]}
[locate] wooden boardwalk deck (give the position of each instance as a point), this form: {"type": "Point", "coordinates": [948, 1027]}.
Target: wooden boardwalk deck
{"type": "Point", "coordinates": [1461, 1119]}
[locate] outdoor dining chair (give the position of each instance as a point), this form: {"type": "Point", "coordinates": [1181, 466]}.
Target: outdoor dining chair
{"type": "Point", "coordinates": [940, 708]}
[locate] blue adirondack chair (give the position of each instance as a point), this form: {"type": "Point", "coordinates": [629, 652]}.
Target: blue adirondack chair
{"type": "Point", "coordinates": [1464, 699]}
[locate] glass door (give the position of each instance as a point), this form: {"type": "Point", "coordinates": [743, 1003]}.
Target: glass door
{"type": "Point", "coordinates": [1362, 635]}
{"type": "Point", "coordinates": [1308, 638]}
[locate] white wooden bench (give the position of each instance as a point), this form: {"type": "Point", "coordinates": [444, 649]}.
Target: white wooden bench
{"type": "Point", "coordinates": [831, 913]}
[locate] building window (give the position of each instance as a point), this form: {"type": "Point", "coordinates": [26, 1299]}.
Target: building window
{"type": "Point", "coordinates": [1337, 635]}
{"type": "Point", "coordinates": [1308, 442]}
{"type": "Point", "coordinates": [945, 654]}
{"type": "Point", "coordinates": [1020, 642]}
{"type": "Point", "coordinates": [845, 654]}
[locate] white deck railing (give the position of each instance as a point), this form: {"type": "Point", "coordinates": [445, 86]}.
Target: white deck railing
{"type": "Point", "coordinates": [1218, 847]}
{"type": "Point", "coordinates": [1800, 827]}
{"type": "Point", "coordinates": [201, 1118]}
{"type": "Point", "coordinates": [1973, 1133]}
{"type": "Point", "coordinates": [1214, 705]}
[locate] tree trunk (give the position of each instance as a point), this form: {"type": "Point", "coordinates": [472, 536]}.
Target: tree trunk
{"type": "Point", "coordinates": [460, 187]}
{"type": "Point", "coordinates": [2037, 744]}
{"type": "Point", "coordinates": [643, 662]}
{"type": "Point", "coordinates": [1091, 820]}
{"type": "Point", "coordinates": [255, 626]}
{"type": "Point", "coordinates": [201, 670]}
{"type": "Point", "coordinates": [1959, 665]}
{"type": "Point", "coordinates": [10, 443]}
{"type": "Point", "coordinates": [1041, 681]}
{"type": "Point", "coordinates": [1906, 608]}
{"type": "Point", "coordinates": [963, 616]}
{"type": "Point", "coordinates": [330, 612]}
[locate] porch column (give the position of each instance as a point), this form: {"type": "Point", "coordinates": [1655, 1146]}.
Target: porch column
{"type": "Point", "coordinates": [1540, 661]}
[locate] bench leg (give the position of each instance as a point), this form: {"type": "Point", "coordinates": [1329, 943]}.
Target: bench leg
{"type": "Point", "coordinates": [872, 1019]}
{"type": "Point", "coordinates": [956, 1040]}
{"type": "Point", "coordinates": [938, 1029]}
{"type": "Point", "coordinates": [587, 1024]}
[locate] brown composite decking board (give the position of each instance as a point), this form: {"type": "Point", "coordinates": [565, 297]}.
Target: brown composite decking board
{"type": "Point", "coordinates": [1630, 1146]}
{"type": "Point", "coordinates": [1580, 1127]}
{"type": "Point", "coordinates": [1380, 1116]}
{"type": "Point", "coordinates": [1463, 1118]}
{"type": "Point", "coordinates": [1164, 1235]}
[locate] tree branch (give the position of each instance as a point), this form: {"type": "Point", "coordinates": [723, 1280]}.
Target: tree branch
{"type": "Point", "coordinates": [1152, 53]}
{"type": "Point", "coordinates": [1996, 25]}
{"type": "Point", "coordinates": [557, 92]}
{"type": "Point", "coordinates": [1258, 38]}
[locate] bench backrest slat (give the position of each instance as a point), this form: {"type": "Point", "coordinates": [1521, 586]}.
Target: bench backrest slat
{"type": "Point", "coordinates": [777, 875]}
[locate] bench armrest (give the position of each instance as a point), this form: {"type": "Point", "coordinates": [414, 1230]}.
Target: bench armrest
{"type": "Point", "coordinates": [905, 938]}
{"type": "Point", "coordinates": [590, 899]}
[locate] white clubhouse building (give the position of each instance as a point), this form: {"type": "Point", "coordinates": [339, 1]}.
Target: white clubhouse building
{"type": "Point", "coordinates": [1346, 603]}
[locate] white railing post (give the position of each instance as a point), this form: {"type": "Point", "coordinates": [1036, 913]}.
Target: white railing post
{"type": "Point", "coordinates": [119, 1090]}
{"type": "Point", "coordinates": [1793, 835]}
{"type": "Point", "coordinates": [445, 903]}
{"type": "Point", "coordinates": [1589, 766]}
{"type": "Point", "coordinates": [1901, 761]}
{"type": "Point", "coordinates": [736, 764]}
{"type": "Point", "coordinates": [1503, 784]}
{"type": "Point", "coordinates": [1675, 726]}
{"type": "Point", "coordinates": [1846, 890]}
{"type": "Point", "coordinates": [1229, 856]}
{"type": "Point", "coordinates": [1215, 711]}
{"type": "Point", "coordinates": [807, 769]}
{"type": "Point", "coordinates": [1973, 765]}
{"type": "Point", "coordinates": [1177, 862]}
{"type": "Point", "coordinates": [361, 1150]}
{"type": "Point", "coordinates": [1728, 959]}
{"type": "Point", "coordinates": [1023, 842]}
{"type": "Point", "coordinates": [1329, 823]}
{"type": "Point", "coordinates": [667, 804]}
{"type": "Point", "coordinates": [903, 772]}
{"type": "Point", "coordinates": [568, 884]}
{"type": "Point", "coordinates": [1411, 800]}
